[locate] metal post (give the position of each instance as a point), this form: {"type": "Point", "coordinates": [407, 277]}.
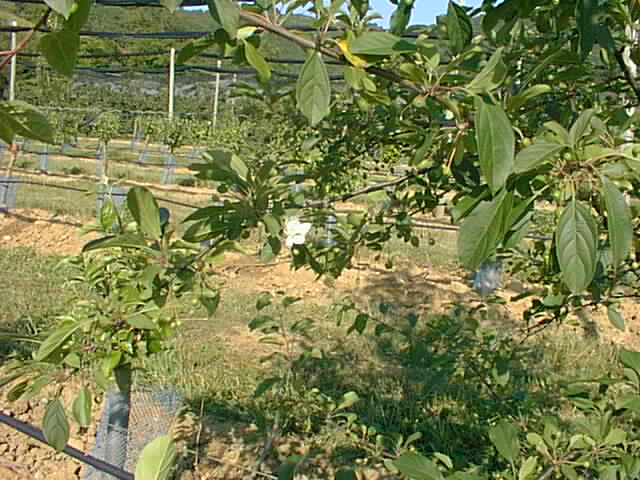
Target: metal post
{"type": "Point", "coordinates": [12, 74]}
{"type": "Point", "coordinates": [216, 95]}
{"type": "Point", "coordinates": [172, 80]}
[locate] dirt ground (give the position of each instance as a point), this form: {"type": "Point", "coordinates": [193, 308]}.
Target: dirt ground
{"type": "Point", "coordinates": [425, 288]}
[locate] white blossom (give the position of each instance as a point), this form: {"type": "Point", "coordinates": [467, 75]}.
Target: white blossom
{"type": "Point", "coordinates": [296, 231]}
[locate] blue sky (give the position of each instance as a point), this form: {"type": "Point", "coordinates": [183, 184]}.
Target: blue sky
{"type": "Point", "coordinates": [424, 11]}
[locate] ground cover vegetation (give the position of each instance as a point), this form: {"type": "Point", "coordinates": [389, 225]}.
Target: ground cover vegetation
{"type": "Point", "coordinates": [519, 115]}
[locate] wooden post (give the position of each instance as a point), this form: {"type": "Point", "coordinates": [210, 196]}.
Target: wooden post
{"type": "Point", "coordinates": [172, 80]}
{"type": "Point", "coordinates": [216, 96]}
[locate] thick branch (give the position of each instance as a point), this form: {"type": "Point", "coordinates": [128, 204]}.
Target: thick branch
{"type": "Point", "coordinates": [26, 39]}
{"type": "Point", "coordinates": [371, 188]}
{"type": "Point", "coordinates": [627, 74]}
{"type": "Point", "coordinates": [260, 21]}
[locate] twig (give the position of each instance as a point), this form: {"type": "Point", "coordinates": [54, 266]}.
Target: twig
{"type": "Point", "coordinates": [268, 445]}
{"type": "Point", "coordinates": [197, 459]}
{"type": "Point", "coordinates": [26, 39]}
{"type": "Point", "coordinates": [283, 32]}
{"type": "Point", "coordinates": [14, 467]}
{"type": "Point", "coordinates": [371, 188]}
{"type": "Point", "coordinates": [237, 465]}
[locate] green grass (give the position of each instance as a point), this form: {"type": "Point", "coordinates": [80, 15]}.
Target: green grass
{"type": "Point", "coordinates": [32, 292]}
{"type": "Point", "coordinates": [438, 375]}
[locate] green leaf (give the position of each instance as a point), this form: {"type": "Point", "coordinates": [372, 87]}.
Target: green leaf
{"type": "Point", "coordinates": [63, 7]}
{"type": "Point", "coordinates": [576, 246]}
{"type": "Point", "coordinates": [491, 76]}
{"type": "Point", "coordinates": [227, 14]}
{"type": "Point", "coordinates": [141, 321]}
{"type": "Point", "coordinates": [615, 437]}
{"type": "Point", "coordinates": [313, 91]}
{"type": "Point", "coordinates": [619, 221]}
{"type": "Point", "coordinates": [55, 425]}
{"type": "Point", "coordinates": [559, 131]}
{"type": "Point", "coordinates": [459, 28]}
{"type": "Point", "coordinates": [257, 61]}
{"type": "Point", "coordinates": [380, 43]}
{"type": "Point", "coordinates": [631, 359]}
{"type": "Point", "coordinates": [210, 301]}
{"type": "Point", "coordinates": [265, 386]}
{"type": "Point", "coordinates": [504, 437]}
{"type": "Point", "coordinates": [79, 16]}
{"type": "Point", "coordinates": [401, 17]}
{"type": "Point", "coordinates": [528, 468]}
{"type": "Point", "coordinates": [270, 249]}
{"type": "Point", "coordinates": [263, 302]}
{"type": "Point", "coordinates": [346, 475]}
{"type": "Point", "coordinates": [6, 131]}
{"type": "Point", "coordinates": [171, 5]}
{"type": "Point", "coordinates": [519, 100]}
{"type": "Point", "coordinates": [535, 155]}
{"type": "Point", "coordinates": [128, 240]}
{"type": "Point", "coordinates": [581, 127]}
{"type": "Point", "coordinates": [55, 340]}
{"type": "Point", "coordinates": [23, 119]}
{"type": "Point", "coordinates": [156, 460]}
{"type": "Point", "coordinates": [195, 47]}
{"type": "Point", "coordinates": [496, 144]}
{"type": "Point", "coordinates": [417, 467]}
{"type": "Point", "coordinates": [82, 407]}
{"type": "Point", "coordinates": [483, 228]}
{"type": "Point", "coordinates": [348, 400]}
{"type": "Point", "coordinates": [588, 24]}
{"type": "Point", "coordinates": [145, 212]}
{"type": "Point", "coordinates": [36, 387]}
{"type": "Point", "coordinates": [61, 50]}
{"type": "Point", "coordinates": [359, 324]}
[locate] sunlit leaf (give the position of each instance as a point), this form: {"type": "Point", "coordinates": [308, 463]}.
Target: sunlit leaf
{"type": "Point", "coordinates": [459, 27]}
{"type": "Point", "coordinates": [195, 47]}
{"type": "Point", "coordinates": [227, 14]}
{"type": "Point", "coordinates": [482, 229]}
{"type": "Point", "coordinates": [82, 407]}
{"type": "Point", "coordinates": [535, 155]}
{"type": "Point", "coordinates": [313, 91]}
{"type": "Point", "coordinates": [61, 50]}
{"type": "Point", "coordinates": [576, 246]}
{"type": "Point", "coordinates": [63, 7]}
{"type": "Point", "coordinates": [257, 61]}
{"type": "Point", "coordinates": [55, 425]}
{"type": "Point", "coordinates": [156, 460]}
{"type": "Point", "coordinates": [504, 437]}
{"type": "Point", "coordinates": [491, 76]}
{"type": "Point", "coordinates": [144, 209]}
{"type": "Point", "coordinates": [496, 144]}
{"type": "Point", "coordinates": [417, 467]}
{"type": "Point", "coordinates": [380, 43]}
{"type": "Point", "coordinates": [619, 221]}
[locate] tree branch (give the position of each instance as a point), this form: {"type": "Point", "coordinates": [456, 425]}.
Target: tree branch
{"type": "Point", "coordinates": [260, 21]}
{"type": "Point", "coordinates": [26, 39]}
{"type": "Point", "coordinates": [371, 188]}
{"type": "Point", "coordinates": [627, 73]}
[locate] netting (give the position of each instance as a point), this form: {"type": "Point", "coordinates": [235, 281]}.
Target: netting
{"type": "Point", "coordinates": [151, 415]}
